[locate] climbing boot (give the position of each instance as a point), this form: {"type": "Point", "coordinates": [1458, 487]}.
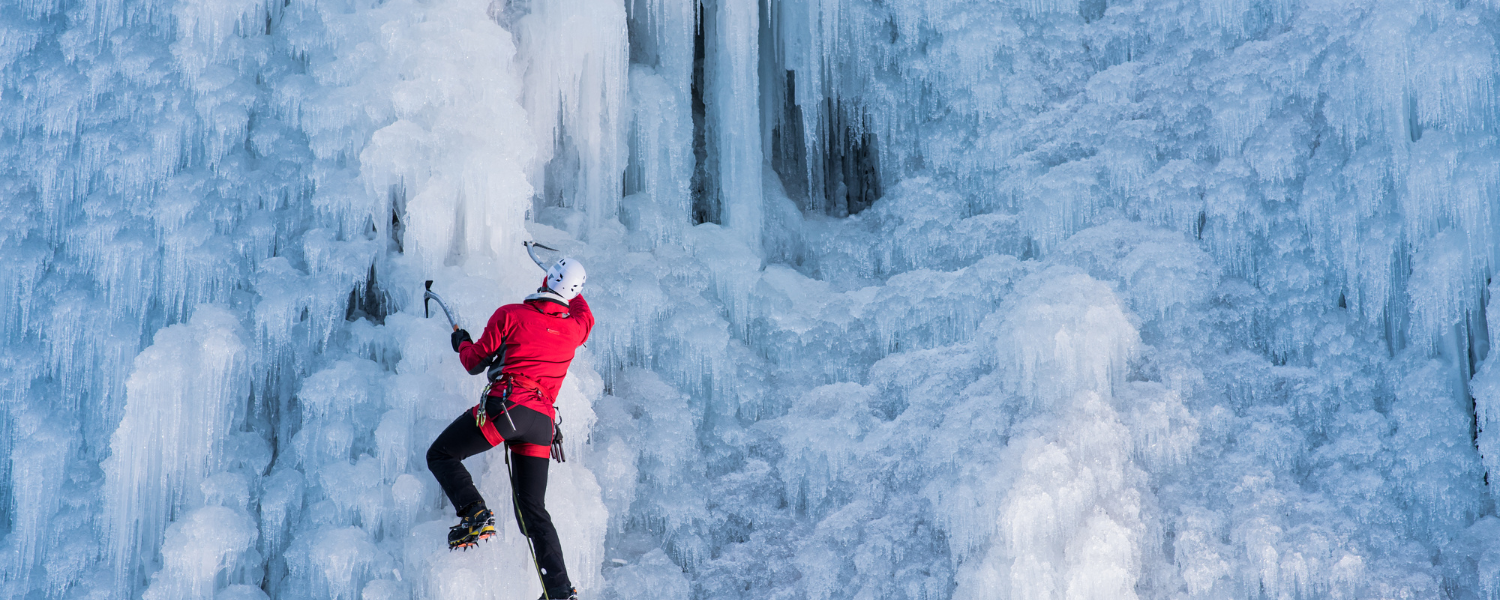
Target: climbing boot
{"type": "Point", "coordinates": [570, 594]}
{"type": "Point", "coordinates": [478, 525]}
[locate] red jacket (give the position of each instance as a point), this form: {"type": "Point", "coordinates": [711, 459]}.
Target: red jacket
{"type": "Point", "coordinates": [536, 340]}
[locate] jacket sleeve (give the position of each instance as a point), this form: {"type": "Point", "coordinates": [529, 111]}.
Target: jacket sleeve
{"type": "Point", "coordinates": [475, 355]}
{"type": "Point", "coordinates": [579, 309]}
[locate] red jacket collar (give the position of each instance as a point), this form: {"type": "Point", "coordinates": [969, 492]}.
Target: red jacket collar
{"type": "Point", "coordinates": [548, 307]}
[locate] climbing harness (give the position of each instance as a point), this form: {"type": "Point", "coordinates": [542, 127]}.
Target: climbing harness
{"type": "Point", "coordinates": [512, 380]}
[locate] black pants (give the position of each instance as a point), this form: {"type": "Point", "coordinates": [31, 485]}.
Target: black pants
{"type": "Point", "coordinates": [528, 479]}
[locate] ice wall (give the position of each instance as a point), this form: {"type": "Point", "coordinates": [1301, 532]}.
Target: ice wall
{"type": "Point", "coordinates": [219, 382]}
{"type": "Point", "coordinates": [919, 299]}
{"type": "Point", "coordinates": [1287, 206]}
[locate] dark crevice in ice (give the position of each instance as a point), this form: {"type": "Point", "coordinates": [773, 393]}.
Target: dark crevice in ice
{"type": "Point", "coordinates": [706, 204]}
{"type": "Point", "coordinates": [368, 301]}
{"type": "Point", "coordinates": [845, 178]}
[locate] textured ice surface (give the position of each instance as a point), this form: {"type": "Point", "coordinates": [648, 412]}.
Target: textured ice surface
{"type": "Point", "coordinates": [896, 299]}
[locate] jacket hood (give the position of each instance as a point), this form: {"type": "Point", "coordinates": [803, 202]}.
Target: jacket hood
{"type": "Point", "coordinates": [548, 302]}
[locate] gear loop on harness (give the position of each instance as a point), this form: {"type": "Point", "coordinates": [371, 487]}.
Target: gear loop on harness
{"type": "Point", "coordinates": [557, 440]}
{"type": "Point", "coordinates": [487, 425]}
{"type": "Point", "coordinates": [506, 409]}
{"type": "Point", "coordinates": [479, 409]}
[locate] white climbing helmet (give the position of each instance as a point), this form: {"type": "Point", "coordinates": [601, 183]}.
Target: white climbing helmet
{"type": "Point", "coordinates": [566, 277]}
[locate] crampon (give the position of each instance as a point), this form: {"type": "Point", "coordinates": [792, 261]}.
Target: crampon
{"type": "Point", "coordinates": [479, 525]}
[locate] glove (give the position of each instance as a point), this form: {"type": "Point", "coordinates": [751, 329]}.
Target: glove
{"type": "Point", "coordinates": [459, 337]}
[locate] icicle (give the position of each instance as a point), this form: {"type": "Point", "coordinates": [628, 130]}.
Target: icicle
{"type": "Point", "coordinates": [41, 449]}
{"type": "Point", "coordinates": [733, 91]}
{"type": "Point", "coordinates": [1069, 335]}
{"type": "Point", "coordinates": [575, 99]}
{"type": "Point", "coordinates": [662, 163]}
{"type": "Point", "coordinates": [185, 393]}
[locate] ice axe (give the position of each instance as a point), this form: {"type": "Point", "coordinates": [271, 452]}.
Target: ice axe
{"type": "Point", "coordinates": [428, 297]}
{"type": "Point", "coordinates": [531, 251]}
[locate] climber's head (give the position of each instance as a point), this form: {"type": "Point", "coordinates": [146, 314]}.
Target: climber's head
{"type": "Point", "coordinates": [565, 278]}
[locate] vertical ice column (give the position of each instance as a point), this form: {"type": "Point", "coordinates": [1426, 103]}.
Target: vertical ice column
{"type": "Point", "coordinates": [575, 54]}
{"type": "Point", "coordinates": [182, 400]}
{"type": "Point", "coordinates": [732, 95]}
{"type": "Point", "coordinates": [667, 29]}
{"type": "Point", "coordinates": [660, 172]}
{"type": "Point", "coordinates": [806, 39]}
{"type": "Point", "coordinates": [38, 469]}
{"type": "Point", "coordinates": [662, 161]}
{"type": "Point", "coordinates": [458, 145]}
{"type": "Point", "coordinates": [1071, 523]}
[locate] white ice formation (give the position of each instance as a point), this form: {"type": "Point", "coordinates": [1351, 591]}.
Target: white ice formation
{"type": "Point", "coordinates": [897, 299]}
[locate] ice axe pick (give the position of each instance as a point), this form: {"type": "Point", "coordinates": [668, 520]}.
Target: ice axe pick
{"type": "Point", "coordinates": [427, 297]}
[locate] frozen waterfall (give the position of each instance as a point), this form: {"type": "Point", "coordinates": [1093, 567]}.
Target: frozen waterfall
{"type": "Point", "coordinates": [896, 299]}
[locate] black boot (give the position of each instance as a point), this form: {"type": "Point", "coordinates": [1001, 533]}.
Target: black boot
{"type": "Point", "coordinates": [477, 524]}
{"type": "Point", "coordinates": [567, 594]}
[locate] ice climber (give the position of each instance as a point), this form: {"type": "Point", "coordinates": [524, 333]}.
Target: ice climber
{"type": "Point", "coordinates": [525, 349]}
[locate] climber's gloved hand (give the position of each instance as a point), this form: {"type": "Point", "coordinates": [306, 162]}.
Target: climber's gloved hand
{"type": "Point", "coordinates": [460, 336]}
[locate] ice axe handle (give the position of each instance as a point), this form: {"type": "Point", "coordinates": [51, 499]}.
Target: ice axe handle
{"type": "Point", "coordinates": [531, 251]}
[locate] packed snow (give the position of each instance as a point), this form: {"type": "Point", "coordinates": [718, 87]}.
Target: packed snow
{"type": "Point", "coordinates": [896, 299]}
